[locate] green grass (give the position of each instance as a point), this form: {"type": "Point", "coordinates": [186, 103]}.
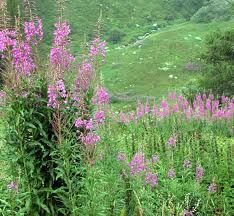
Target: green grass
{"type": "Point", "coordinates": [133, 71]}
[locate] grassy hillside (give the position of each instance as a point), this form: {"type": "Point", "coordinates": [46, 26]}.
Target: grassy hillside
{"type": "Point", "coordinates": [125, 15]}
{"type": "Point", "coordinates": [144, 69]}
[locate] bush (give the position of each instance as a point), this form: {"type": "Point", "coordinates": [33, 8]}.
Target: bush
{"type": "Point", "coordinates": [115, 35]}
{"type": "Point", "coordinates": [187, 8]}
{"type": "Point", "coordinates": [215, 10]}
{"type": "Point", "coordinates": [219, 59]}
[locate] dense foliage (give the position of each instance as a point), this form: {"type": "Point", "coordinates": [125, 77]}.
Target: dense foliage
{"type": "Point", "coordinates": [66, 152]}
{"type": "Point", "coordinates": [219, 56]}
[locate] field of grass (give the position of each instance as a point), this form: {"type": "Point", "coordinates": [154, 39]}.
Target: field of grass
{"type": "Point", "coordinates": [144, 69]}
{"type": "Point", "coordinates": [88, 150]}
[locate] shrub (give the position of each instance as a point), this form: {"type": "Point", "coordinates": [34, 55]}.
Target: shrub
{"type": "Point", "coordinates": [115, 35]}
{"type": "Point", "coordinates": [214, 10]}
{"type": "Point", "coordinates": [219, 60]}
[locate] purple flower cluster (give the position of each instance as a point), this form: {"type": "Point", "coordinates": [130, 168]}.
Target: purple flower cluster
{"type": "Point", "coordinates": [33, 31]}
{"type": "Point", "coordinates": [204, 107]}
{"type": "Point", "coordinates": [84, 78]}
{"type": "Point", "coordinates": [99, 117]}
{"type": "Point", "coordinates": [7, 39]}
{"type": "Point", "coordinates": [171, 173]}
{"type": "Point", "coordinates": [13, 186]}
{"type": "Point", "coordinates": [172, 141]}
{"type": "Point", "coordinates": [60, 58]}
{"type": "Point", "coordinates": [154, 159]}
{"type": "Point", "coordinates": [212, 188]}
{"type": "Point", "coordinates": [22, 58]}
{"type": "Point", "coordinates": [55, 93]}
{"type": "Point", "coordinates": [188, 213]}
{"type": "Point", "coordinates": [138, 164]}
{"type": "Point", "coordinates": [151, 179]}
{"type": "Point", "coordinates": [101, 96]}
{"type": "Point", "coordinates": [90, 139]}
{"type": "Point", "coordinates": [187, 164]}
{"type": "Point", "coordinates": [199, 173]}
{"type": "Point", "coordinates": [97, 48]}
{"type": "Point", "coordinates": [87, 124]}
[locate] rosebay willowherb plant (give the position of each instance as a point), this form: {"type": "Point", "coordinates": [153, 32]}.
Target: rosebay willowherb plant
{"type": "Point", "coordinates": [51, 128]}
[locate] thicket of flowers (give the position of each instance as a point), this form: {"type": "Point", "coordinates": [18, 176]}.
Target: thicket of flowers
{"type": "Point", "coordinates": [68, 153]}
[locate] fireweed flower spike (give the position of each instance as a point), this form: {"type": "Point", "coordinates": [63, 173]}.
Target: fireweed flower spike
{"type": "Point", "coordinates": [13, 186]}
{"type": "Point", "coordinates": [101, 97]}
{"type": "Point", "coordinates": [33, 31]}
{"type": "Point", "coordinates": [90, 140]}
{"type": "Point", "coordinates": [171, 173]}
{"type": "Point", "coordinates": [97, 49]}
{"type": "Point", "coordinates": [22, 58]}
{"type": "Point", "coordinates": [56, 93]}
{"type": "Point", "coordinates": [187, 164]}
{"type": "Point", "coordinates": [60, 59]}
{"type": "Point", "coordinates": [85, 75]}
{"type": "Point", "coordinates": [154, 159]}
{"type": "Point", "coordinates": [151, 179]}
{"type": "Point", "coordinates": [137, 165]}
{"type": "Point", "coordinates": [99, 117]}
{"type": "Point", "coordinates": [212, 188]}
{"type": "Point", "coordinates": [7, 39]}
{"type": "Point", "coordinates": [188, 213]}
{"type": "Point", "coordinates": [199, 173]}
{"type": "Point", "coordinates": [172, 141]}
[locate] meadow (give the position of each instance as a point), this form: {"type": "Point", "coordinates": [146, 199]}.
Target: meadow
{"type": "Point", "coordinates": [104, 128]}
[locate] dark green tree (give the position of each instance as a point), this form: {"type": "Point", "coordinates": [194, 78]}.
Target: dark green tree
{"type": "Point", "coordinates": [218, 72]}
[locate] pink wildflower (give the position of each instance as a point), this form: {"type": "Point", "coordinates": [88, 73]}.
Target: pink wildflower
{"type": "Point", "coordinates": [90, 140]}
{"type": "Point", "coordinates": [99, 117]}
{"type": "Point", "coordinates": [101, 96]}
{"type": "Point", "coordinates": [33, 31]}
{"type": "Point", "coordinates": [137, 164]}
{"type": "Point", "coordinates": [151, 179]}
{"type": "Point", "coordinates": [22, 58]}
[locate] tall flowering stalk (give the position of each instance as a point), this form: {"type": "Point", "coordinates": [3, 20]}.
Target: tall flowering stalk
{"type": "Point", "coordinates": [33, 31]}
{"type": "Point", "coordinates": [7, 39]}
{"type": "Point", "coordinates": [57, 94]}
{"type": "Point", "coordinates": [138, 164]}
{"type": "Point", "coordinates": [23, 58]}
{"type": "Point", "coordinates": [60, 58]}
